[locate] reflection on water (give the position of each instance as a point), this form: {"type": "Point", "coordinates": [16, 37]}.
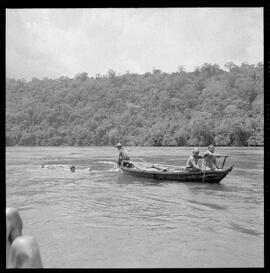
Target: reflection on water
{"type": "Point", "coordinates": [125, 221]}
{"type": "Point", "coordinates": [240, 228]}
{"type": "Point", "coordinates": [212, 206]}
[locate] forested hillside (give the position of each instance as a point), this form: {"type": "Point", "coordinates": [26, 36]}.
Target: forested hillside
{"type": "Point", "coordinates": [208, 105]}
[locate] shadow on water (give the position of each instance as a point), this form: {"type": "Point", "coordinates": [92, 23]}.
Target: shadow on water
{"type": "Point", "coordinates": [217, 187]}
{"type": "Point", "coordinates": [126, 179]}
{"type": "Point", "coordinates": [209, 205]}
{"type": "Point", "coordinates": [193, 186]}
{"type": "Point", "coordinates": [245, 230]}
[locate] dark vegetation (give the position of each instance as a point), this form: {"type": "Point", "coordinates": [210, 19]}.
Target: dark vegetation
{"type": "Point", "coordinates": [208, 105]}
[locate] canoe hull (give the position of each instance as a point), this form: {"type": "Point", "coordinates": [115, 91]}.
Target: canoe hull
{"type": "Point", "coordinates": [181, 176]}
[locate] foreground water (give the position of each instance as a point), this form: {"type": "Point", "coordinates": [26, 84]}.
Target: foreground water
{"type": "Point", "coordinates": [103, 218]}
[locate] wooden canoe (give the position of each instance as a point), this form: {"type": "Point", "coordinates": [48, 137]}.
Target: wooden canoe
{"type": "Point", "coordinates": [161, 172]}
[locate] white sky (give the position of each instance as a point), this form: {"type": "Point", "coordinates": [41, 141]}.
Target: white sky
{"type": "Point", "coordinates": [63, 42]}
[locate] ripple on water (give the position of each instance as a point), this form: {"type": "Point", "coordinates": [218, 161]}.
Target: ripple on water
{"type": "Point", "coordinates": [245, 230]}
{"type": "Point", "coordinates": [209, 205]}
{"type": "Point", "coordinates": [102, 210]}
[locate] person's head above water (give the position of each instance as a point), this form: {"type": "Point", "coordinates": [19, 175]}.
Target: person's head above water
{"type": "Point", "coordinates": [118, 145]}
{"type": "Point", "coordinates": [14, 224]}
{"type": "Point", "coordinates": [21, 251]}
{"type": "Point", "coordinates": [196, 151]}
{"type": "Point", "coordinates": [72, 168]}
{"type": "Point", "coordinates": [211, 148]}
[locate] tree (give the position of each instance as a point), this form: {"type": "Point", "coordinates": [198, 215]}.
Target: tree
{"type": "Point", "coordinates": [202, 131]}
{"type": "Point", "coordinates": [111, 73]}
{"type": "Point", "coordinates": [81, 77]}
{"type": "Point", "coordinates": [28, 139]}
{"type": "Point", "coordinates": [10, 139]}
{"type": "Point", "coordinates": [239, 135]}
{"type": "Point", "coordinates": [181, 136]}
{"type": "Point", "coordinates": [181, 68]}
{"type": "Point", "coordinates": [157, 133]}
{"type": "Point", "coordinates": [55, 141]}
{"type": "Point", "coordinates": [113, 136]}
{"type": "Point", "coordinates": [231, 67]}
{"type": "Point", "coordinates": [181, 108]}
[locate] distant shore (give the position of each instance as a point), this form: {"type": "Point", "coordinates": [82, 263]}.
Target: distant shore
{"type": "Point", "coordinates": [128, 146]}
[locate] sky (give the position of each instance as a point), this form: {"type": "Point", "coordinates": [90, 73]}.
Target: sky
{"type": "Point", "coordinates": [64, 42]}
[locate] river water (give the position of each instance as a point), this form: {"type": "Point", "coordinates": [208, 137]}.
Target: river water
{"type": "Point", "coordinates": [101, 218]}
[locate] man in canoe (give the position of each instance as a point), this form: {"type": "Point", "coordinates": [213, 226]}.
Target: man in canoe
{"type": "Point", "coordinates": [209, 159]}
{"type": "Point", "coordinates": [192, 162]}
{"type": "Point", "coordinates": [123, 156]}
{"type": "Point", "coordinates": [21, 251]}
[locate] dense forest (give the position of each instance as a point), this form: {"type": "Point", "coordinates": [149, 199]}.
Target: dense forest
{"type": "Point", "coordinates": [207, 105]}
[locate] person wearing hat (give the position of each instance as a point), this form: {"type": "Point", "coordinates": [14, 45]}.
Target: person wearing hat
{"type": "Point", "coordinates": [123, 156]}
{"type": "Point", "coordinates": [192, 162]}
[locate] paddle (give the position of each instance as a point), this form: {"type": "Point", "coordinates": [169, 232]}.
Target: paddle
{"type": "Point", "coordinates": [224, 161]}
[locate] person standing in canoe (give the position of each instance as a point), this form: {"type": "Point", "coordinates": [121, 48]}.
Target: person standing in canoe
{"type": "Point", "coordinates": [209, 159]}
{"type": "Point", "coordinates": [192, 162]}
{"type": "Point", "coordinates": [123, 156]}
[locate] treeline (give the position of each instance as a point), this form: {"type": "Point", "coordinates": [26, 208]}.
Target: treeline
{"type": "Point", "coordinates": [208, 105]}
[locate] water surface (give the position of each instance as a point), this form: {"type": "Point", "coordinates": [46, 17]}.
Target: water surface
{"type": "Point", "coordinates": [103, 218]}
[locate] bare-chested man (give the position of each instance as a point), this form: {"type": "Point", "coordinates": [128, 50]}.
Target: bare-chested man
{"type": "Point", "coordinates": [209, 159]}
{"type": "Point", "coordinates": [192, 162]}
{"type": "Point", "coordinates": [21, 251]}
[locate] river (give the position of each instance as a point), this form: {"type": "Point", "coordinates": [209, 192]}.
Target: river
{"type": "Point", "coordinates": [101, 218]}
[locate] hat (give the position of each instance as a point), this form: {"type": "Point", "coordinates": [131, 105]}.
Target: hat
{"type": "Point", "coordinates": [118, 145]}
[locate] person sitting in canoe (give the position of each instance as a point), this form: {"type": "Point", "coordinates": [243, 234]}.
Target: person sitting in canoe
{"type": "Point", "coordinates": [123, 156]}
{"type": "Point", "coordinates": [192, 162]}
{"type": "Point", "coordinates": [209, 159]}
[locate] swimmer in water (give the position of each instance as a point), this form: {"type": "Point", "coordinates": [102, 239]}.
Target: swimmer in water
{"type": "Point", "coordinates": [72, 168]}
{"type": "Point", "coordinates": [21, 251]}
